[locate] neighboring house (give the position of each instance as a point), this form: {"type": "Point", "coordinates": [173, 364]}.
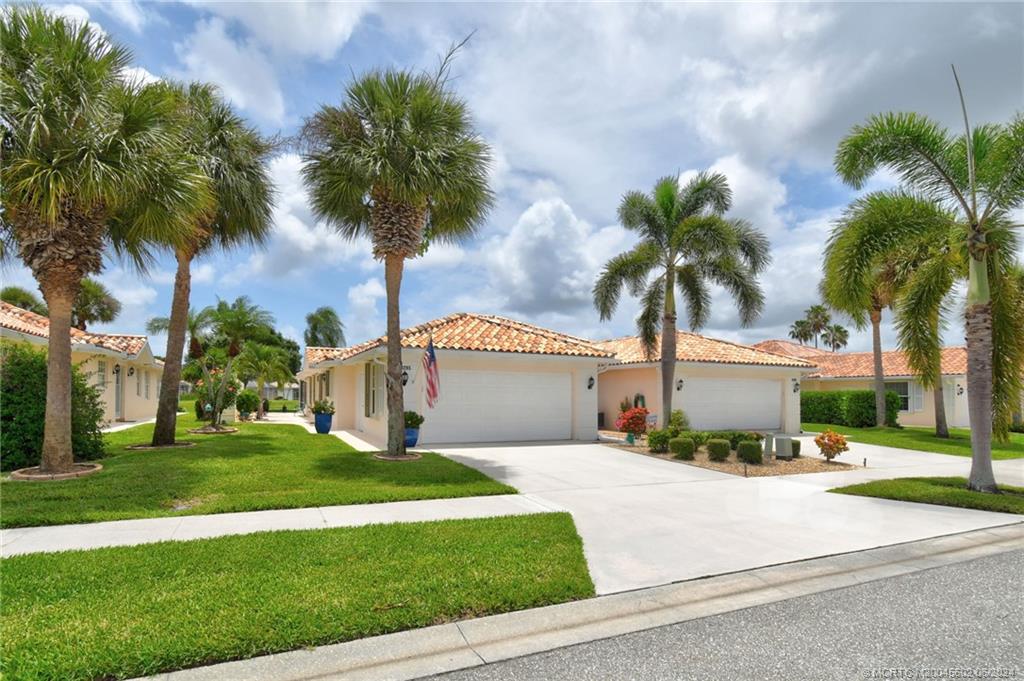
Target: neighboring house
{"type": "Point", "coordinates": [856, 371]}
{"type": "Point", "coordinates": [501, 380]}
{"type": "Point", "coordinates": [271, 391]}
{"type": "Point", "coordinates": [720, 385]}
{"type": "Point", "coordinates": [121, 366]}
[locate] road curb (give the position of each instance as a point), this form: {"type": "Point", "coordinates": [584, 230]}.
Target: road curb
{"type": "Point", "coordinates": [469, 643]}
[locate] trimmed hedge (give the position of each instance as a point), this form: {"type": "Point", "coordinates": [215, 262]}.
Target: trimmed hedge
{"type": "Point", "coordinates": [749, 451]}
{"type": "Point", "coordinates": [657, 441]}
{"type": "Point", "coordinates": [734, 437]}
{"type": "Point", "coordinates": [23, 409]}
{"type": "Point", "coordinates": [682, 448]}
{"type": "Point", "coordinates": [853, 408]}
{"type": "Point", "coordinates": [718, 449]}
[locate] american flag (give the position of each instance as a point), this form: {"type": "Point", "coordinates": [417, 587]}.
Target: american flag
{"type": "Point", "coordinates": [430, 371]}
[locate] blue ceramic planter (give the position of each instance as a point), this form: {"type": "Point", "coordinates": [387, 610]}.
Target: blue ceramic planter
{"type": "Point", "coordinates": [323, 423]}
{"type": "Point", "coordinates": [411, 436]}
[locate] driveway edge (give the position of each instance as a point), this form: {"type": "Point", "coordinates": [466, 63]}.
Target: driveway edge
{"type": "Point", "coordinates": [469, 643]}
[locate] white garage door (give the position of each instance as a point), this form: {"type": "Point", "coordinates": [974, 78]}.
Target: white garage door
{"type": "Point", "coordinates": [500, 406]}
{"type": "Point", "coordinates": [732, 403]}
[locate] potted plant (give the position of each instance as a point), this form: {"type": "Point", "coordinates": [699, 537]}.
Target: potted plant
{"type": "Point", "coordinates": [246, 402]}
{"type": "Point", "coordinates": [413, 421]}
{"type": "Point", "coordinates": [323, 412]}
{"type": "Point", "coordinates": [633, 422]}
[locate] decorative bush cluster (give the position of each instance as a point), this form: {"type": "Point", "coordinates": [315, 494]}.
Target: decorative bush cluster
{"type": "Point", "coordinates": [632, 421]}
{"type": "Point", "coordinates": [749, 451]}
{"type": "Point", "coordinates": [247, 401]}
{"type": "Point", "coordinates": [718, 449]}
{"type": "Point", "coordinates": [413, 420]}
{"type": "Point", "coordinates": [657, 440]}
{"type": "Point", "coordinates": [23, 409]}
{"type": "Point", "coordinates": [323, 407]}
{"type": "Point", "coordinates": [682, 448]}
{"type": "Point", "coordinates": [733, 437]}
{"type": "Point", "coordinates": [831, 444]}
{"type": "Point", "coordinates": [854, 408]}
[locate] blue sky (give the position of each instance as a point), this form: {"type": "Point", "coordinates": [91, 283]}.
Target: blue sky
{"type": "Point", "coordinates": [580, 104]}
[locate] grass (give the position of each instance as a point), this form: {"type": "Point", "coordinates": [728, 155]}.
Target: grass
{"type": "Point", "coordinates": [289, 405]}
{"type": "Point", "coordinates": [261, 467]}
{"type": "Point", "coordinates": [924, 440]}
{"type": "Point", "coordinates": [940, 491]}
{"type": "Point", "coordinates": [133, 611]}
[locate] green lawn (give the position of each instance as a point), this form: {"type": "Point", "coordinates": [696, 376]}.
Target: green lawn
{"type": "Point", "coordinates": [941, 491]}
{"type": "Point", "coordinates": [133, 611]}
{"type": "Point", "coordinates": [923, 439]}
{"type": "Point", "coordinates": [261, 467]}
{"type": "Point", "coordinates": [289, 405]}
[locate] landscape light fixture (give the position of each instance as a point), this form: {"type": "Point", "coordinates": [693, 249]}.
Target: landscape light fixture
{"type": "Point", "coordinates": [796, 385]}
{"type": "Point", "coordinates": [117, 369]}
{"type": "Point", "coordinates": [590, 383]}
{"type": "Point", "coordinates": [131, 371]}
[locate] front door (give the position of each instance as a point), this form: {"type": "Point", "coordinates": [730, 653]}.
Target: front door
{"type": "Point", "coordinates": [118, 397]}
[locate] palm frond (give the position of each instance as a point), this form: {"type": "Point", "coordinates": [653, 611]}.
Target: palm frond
{"type": "Point", "coordinates": [648, 323]}
{"type": "Point", "coordinates": [695, 294]}
{"type": "Point", "coordinates": [630, 270]}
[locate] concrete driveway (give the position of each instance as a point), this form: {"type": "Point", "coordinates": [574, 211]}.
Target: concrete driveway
{"type": "Point", "coordinates": [646, 522]}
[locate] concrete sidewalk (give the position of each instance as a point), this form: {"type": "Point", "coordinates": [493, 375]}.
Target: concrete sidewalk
{"type": "Point", "coordinates": [128, 532]}
{"type": "Point", "coordinates": [472, 643]}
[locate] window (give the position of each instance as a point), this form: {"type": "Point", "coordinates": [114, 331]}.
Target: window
{"type": "Point", "coordinates": [373, 385]}
{"type": "Point", "coordinates": [101, 374]}
{"type": "Point", "coordinates": [138, 383]}
{"type": "Point", "coordinates": [911, 394]}
{"type": "Point", "coordinates": [147, 384]}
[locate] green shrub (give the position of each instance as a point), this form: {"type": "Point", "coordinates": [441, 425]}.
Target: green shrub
{"type": "Point", "coordinates": [682, 448]}
{"type": "Point", "coordinates": [718, 449]}
{"type": "Point", "coordinates": [821, 406]}
{"type": "Point", "coordinates": [678, 422]}
{"type": "Point", "coordinates": [413, 420]}
{"type": "Point", "coordinates": [657, 441]}
{"type": "Point", "coordinates": [749, 451]}
{"type": "Point", "coordinates": [735, 436]}
{"type": "Point", "coordinates": [247, 401]}
{"type": "Point", "coordinates": [23, 409]}
{"type": "Point", "coordinates": [853, 408]}
{"type": "Point", "coordinates": [796, 448]}
{"type": "Point", "coordinates": [200, 413]}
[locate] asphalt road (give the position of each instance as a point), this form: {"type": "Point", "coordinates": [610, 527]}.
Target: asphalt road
{"type": "Point", "coordinates": [948, 622]}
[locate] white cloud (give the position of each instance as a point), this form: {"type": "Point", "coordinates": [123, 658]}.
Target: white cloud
{"type": "Point", "coordinates": [128, 12]}
{"type": "Point", "coordinates": [311, 29]}
{"type": "Point", "coordinates": [438, 256]}
{"type": "Point", "coordinates": [203, 273]}
{"type": "Point", "coordinates": [758, 196]}
{"type": "Point", "coordinates": [364, 320]}
{"type": "Point", "coordinates": [240, 68]}
{"type": "Point", "coordinates": [140, 75]}
{"type": "Point", "coordinates": [75, 13]}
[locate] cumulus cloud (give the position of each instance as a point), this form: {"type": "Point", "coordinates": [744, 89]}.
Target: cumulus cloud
{"type": "Point", "coordinates": [127, 12]}
{"type": "Point", "coordinates": [140, 75]}
{"type": "Point", "coordinates": [239, 67]}
{"type": "Point", "coordinates": [364, 319]}
{"type": "Point", "coordinates": [758, 195]}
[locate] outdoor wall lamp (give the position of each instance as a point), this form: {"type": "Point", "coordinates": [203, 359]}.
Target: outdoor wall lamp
{"type": "Point", "coordinates": [959, 389]}
{"type": "Point", "coordinates": [590, 383]}
{"type": "Point", "coordinates": [117, 368]}
{"type": "Point", "coordinates": [405, 378]}
{"type": "Point", "coordinates": [679, 385]}
{"type": "Point", "coordinates": [796, 385]}
{"type": "Point", "coordinates": [131, 371]}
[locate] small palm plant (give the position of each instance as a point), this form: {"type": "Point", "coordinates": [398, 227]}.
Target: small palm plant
{"type": "Point", "coordinates": [685, 243]}
{"type": "Point", "coordinates": [399, 162]}
{"type": "Point", "coordinates": [267, 364]}
{"type": "Point", "coordinates": [94, 303]}
{"type": "Point", "coordinates": [91, 162]}
{"type": "Point", "coordinates": [324, 329]}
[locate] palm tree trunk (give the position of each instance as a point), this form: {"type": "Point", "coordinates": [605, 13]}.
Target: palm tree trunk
{"type": "Point", "coordinates": [259, 391]}
{"type": "Point", "coordinates": [876, 349]}
{"type": "Point", "coordinates": [167, 408]}
{"type": "Point", "coordinates": [57, 456]}
{"type": "Point", "coordinates": [218, 409]}
{"type": "Point", "coordinates": [393, 266]}
{"type": "Point", "coordinates": [668, 348]}
{"type": "Point", "coordinates": [979, 377]}
{"type": "Point", "coordinates": [941, 427]}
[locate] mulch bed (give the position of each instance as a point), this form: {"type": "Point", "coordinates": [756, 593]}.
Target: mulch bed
{"type": "Point", "coordinates": [33, 474]}
{"type": "Point", "coordinates": [803, 464]}
{"type": "Point", "coordinates": [213, 431]}
{"type": "Point", "coordinates": [383, 456]}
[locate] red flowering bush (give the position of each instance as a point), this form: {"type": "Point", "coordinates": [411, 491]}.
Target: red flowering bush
{"type": "Point", "coordinates": [831, 444]}
{"type": "Point", "coordinates": [632, 421]}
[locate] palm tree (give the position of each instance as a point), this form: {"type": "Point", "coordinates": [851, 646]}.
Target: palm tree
{"type": "Point", "coordinates": [197, 325]}
{"type": "Point", "coordinates": [94, 303]}
{"type": "Point", "coordinates": [400, 163]}
{"type": "Point", "coordinates": [818, 319]}
{"type": "Point", "coordinates": [234, 157]}
{"type": "Point", "coordinates": [266, 364]}
{"type": "Point", "coordinates": [324, 329]}
{"type": "Point", "coordinates": [980, 175]}
{"type": "Point", "coordinates": [90, 161]}
{"type": "Point", "coordinates": [233, 323]}
{"type": "Point", "coordinates": [23, 298]}
{"type": "Point", "coordinates": [685, 242]}
{"type": "Point", "coordinates": [800, 331]}
{"type": "Point", "coordinates": [835, 337]}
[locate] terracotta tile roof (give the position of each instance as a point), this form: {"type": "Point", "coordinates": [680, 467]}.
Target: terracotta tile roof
{"type": "Point", "coordinates": [484, 333]}
{"type": "Point", "coordinates": [692, 347]}
{"type": "Point", "coordinates": [894, 363]}
{"type": "Point", "coordinates": [790, 349]}
{"type": "Point", "coordinates": [32, 324]}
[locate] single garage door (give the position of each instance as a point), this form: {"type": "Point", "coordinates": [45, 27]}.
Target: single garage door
{"type": "Point", "coordinates": [500, 406]}
{"type": "Point", "coordinates": [732, 403]}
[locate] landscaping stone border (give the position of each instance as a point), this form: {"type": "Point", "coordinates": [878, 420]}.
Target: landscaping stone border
{"type": "Point", "coordinates": [222, 431]}
{"type": "Point", "coordinates": [408, 457]}
{"type": "Point", "coordinates": [176, 445]}
{"type": "Point", "coordinates": [32, 474]}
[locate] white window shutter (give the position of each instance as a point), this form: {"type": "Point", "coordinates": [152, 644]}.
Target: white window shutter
{"type": "Point", "coordinates": [916, 397]}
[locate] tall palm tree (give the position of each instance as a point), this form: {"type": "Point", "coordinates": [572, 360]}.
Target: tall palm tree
{"type": "Point", "coordinates": [90, 161]}
{"type": "Point", "coordinates": [818, 319]}
{"type": "Point", "coordinates": [266, 364]}
{"type": "Point", "coordinates": [835, 337]}
{"type": "Point", "coordinates": [399, 162]}
{"type": "Point", "coordinates": [234, 157]}
{"type": "Point", "coordinates": [23, 298]}
{"type": "Point", "coordinates": [324, 328]}
{"type": "Point", "coordinates": [979, 175]}
{"type": "Point", "coordinates": [197, 326]}
{"type": "Point", "coordinates": [685, 242]}
{"type": "Point", "coordinates": [94, 303]}
{"type": "Point", "coordinates": [800, 331]}
{"type": "Point", "coordinates": [233, 323]}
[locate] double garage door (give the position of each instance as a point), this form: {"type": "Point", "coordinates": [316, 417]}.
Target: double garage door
{"type": "Point", "coordinates": [500, 406]}
{"type": "Point", "coordinates": [732, 403]}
